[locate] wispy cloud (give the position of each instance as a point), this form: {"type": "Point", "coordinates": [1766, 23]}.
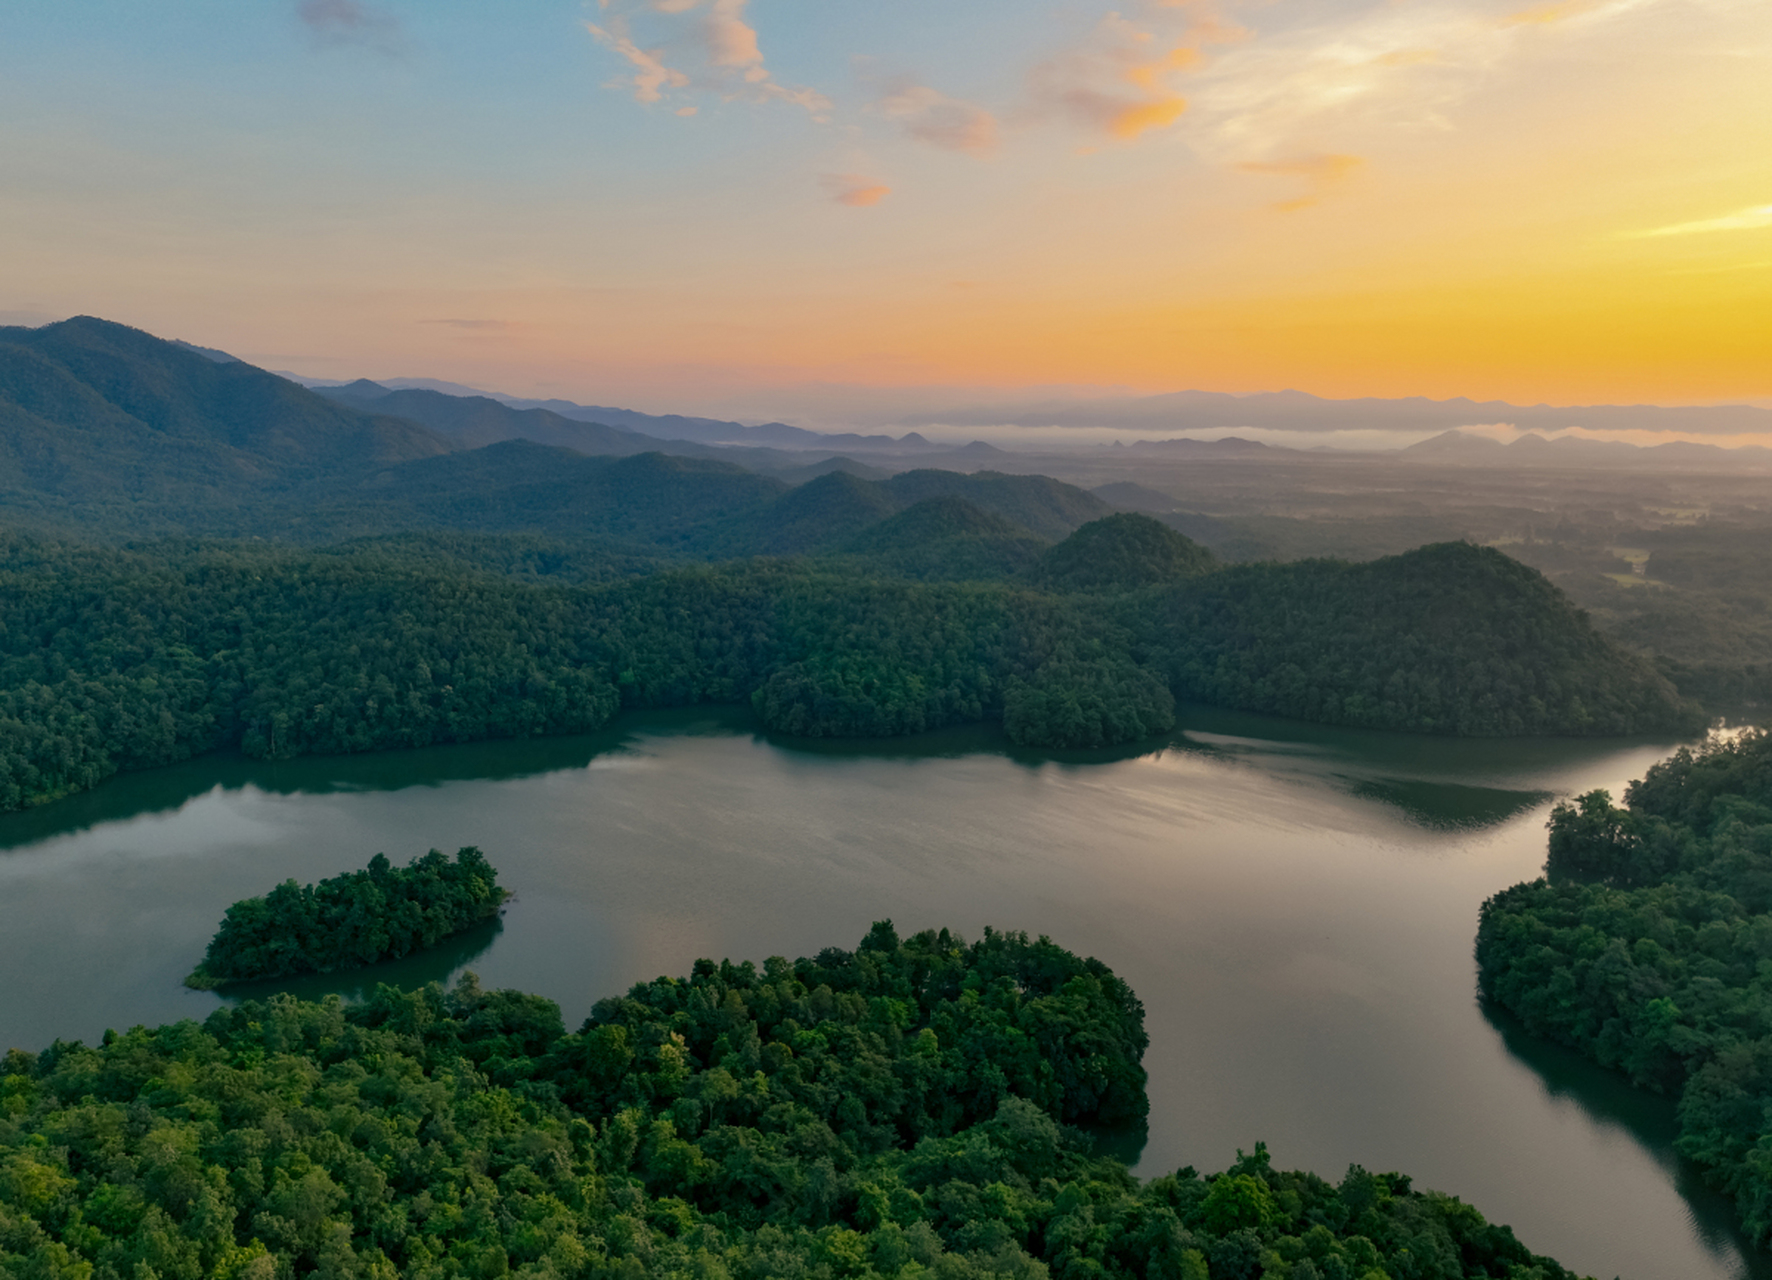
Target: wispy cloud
{"type": "Point", "coordinates": [1123, 82]}
{"type": "Point", "coordinates": [1390, 66]}
{"type": "Point", "coordinates": [334, 23]}
{"type": "Point", "coordinates": [1743, 220]}
{"type": "Point", "coordinates": [931, 116]}
{"type": "Point", "coordinates": [1292, 99]}
{"type": "Point", "coordinates": [1319, 172]}
{"type": "Point", "coordinates": [1570, 10]}
{"type": "Point", "coordinates": [853, 189]}
{"type": "Point", "coordinates": [694, 47]}
{"type": "Point", "coordinates": [650, 77]}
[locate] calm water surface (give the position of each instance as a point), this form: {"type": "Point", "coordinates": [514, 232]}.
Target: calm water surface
{"type": "Point", "coordinates": [1295, 905]}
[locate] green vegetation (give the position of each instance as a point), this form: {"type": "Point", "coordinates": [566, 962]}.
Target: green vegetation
{"type": "Point", "coordinates": [1649, 949]}
{"type": "Point", "coordinates": [945, 539]}
{"type": "Point", "coordinates": [898, 1111]}
{"type": "Point", "coordinates": [351, 920]}
{"type": "Point", "coordinates": [522, 589]}
{"type": "Point", "coordinates": [125, 658]}
{"type": "Point", "coordinates": [1119, 552]}
{"type": "Point", "coordinates": [1451, 638]}
{"type": "Point", "coordinates": [105, 420]}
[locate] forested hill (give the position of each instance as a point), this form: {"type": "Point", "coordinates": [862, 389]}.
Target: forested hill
{"type": "Point", "coordinates": [120, 659]}
{"type": "Point", "coordinates": [900, 1111]}
{"type": "Point", "coordinates": [703, 507]}
{"type": "Point", "coordinates": [1118, 552]}
{"type": "Point", "coordinates": [1450, 638]}
{"type": "Point", "coordinates": [95, 414]}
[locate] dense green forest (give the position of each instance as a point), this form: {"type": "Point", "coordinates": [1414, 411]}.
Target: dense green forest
{"type": "Point", "coordinates": [1447, 639]}
{"type": "Point", "coordinates": [902, 1110]}
{"type": "Point", "coordinates": [125, 657]}
{"type": "Point", "coordinates": [349, 920]}
{"type": "Point", "coordinates": [1649, 948]}
{"type": "Point", "coordinates": [109, 432]}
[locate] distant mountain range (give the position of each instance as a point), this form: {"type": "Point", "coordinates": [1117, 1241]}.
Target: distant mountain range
{"type": "Point", "coordinates": [666, 426]}
{"type": "Point", "coordinates": [471, 421]}
{"type": "Point", "coordinates": [1532, 450]}
{"type": "Point", "coordinates": [1300, 411]}
{"type": "Point", "coordinates": [107, 428]}
{"type": "Point", "coordinates": [1291, 411]}
{"type": "Point", "coordinates": [679, 505]}
{"type": "Point", "coordinates": [105, 425]}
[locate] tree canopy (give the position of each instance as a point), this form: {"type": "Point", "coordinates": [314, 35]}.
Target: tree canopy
{"type": "Point", "coordinates": [358, 918]}
{"type": "Point", "coordinates": [122, 658]}
{"type": "Point", "coordinates": [1647, 946]}
{"type": "Point", "coordinates": [901, 1110]}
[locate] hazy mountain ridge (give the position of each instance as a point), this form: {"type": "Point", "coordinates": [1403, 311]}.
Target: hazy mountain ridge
{"type": "Point", "coordinates": [1533, 450]}
{"type": "Point", "coordinates": [1301, 411]}
{"type": "Point", "coordinates": [1288, 411]}
{"type": "Point", "coordinates": [703, 507]}
{"type": "Point", "coordinates": [110, 427]}
{"type": "Point", "coordinates": [665, 426]}
{"type": "Point", "coordinates": [475, 421]}
{"type": "Point", "coordinates": [96, 411]}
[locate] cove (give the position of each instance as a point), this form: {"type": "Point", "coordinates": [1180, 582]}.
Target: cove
{"type": "Point", "coordinates": [1294, 904]}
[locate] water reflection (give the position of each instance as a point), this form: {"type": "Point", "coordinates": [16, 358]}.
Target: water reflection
{"type": "Point", "coordinates": [435, 964]}
{"type": "Point", "coordinates": [1395, 769]}
{"type": "Point", "coordinates": [163, 790]}
{"type": "Point", "coordinates": [1609, 1098]}
{"type": "Point", "coordinates": [1448, 806]}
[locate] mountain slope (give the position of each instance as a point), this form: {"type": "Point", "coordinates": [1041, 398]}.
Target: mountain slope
{"type": "Point", "coordinates": [814, 516]}
{"type": "Point", "coordinates": [474, 421]}
{"type": "Point", "coordinates": [651, 498]}
{"type": "Point", "coordinates": [95, 412]}
{"type": "Point", "coordinates": [1041, 505]}
{"type": "Point", "coordinates": [947, 538]}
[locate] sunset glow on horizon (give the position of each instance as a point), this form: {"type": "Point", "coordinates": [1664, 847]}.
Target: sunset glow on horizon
{"type": "Point", "coordinates": [698, 205]}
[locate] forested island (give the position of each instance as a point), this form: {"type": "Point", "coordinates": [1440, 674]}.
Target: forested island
{"type": "Point", "coordinates": [1648, 947]}
{"type": "Point", "coordinates": [902, 1110]}
{"type": "Point", "coordinates": [350, 920]}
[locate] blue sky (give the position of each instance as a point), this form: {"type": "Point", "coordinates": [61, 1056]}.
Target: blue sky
{"type": "Point", "coordinates": [777, 204]}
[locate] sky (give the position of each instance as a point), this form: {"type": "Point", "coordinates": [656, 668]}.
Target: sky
{"type": "Point", "coordinates": [805, 208]}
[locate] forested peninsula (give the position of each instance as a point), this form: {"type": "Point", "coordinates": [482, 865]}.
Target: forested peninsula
{"type": "Point", "coordinates": [1648, 947]}
{"type": "Point", "coordinates": [125, 657]}
{"type": "Point", "coordinates": [347, 921]}
{"type": "Point", "coordinates": [902, 1110]}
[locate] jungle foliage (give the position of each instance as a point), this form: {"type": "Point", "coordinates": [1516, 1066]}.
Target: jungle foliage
{"type": "Point", "coordinates": [346, 921]}
{"type": "Point", "coordinates": [899, 1111]}
{"type": "Point", "coordinates": [122, 658]}
{"type": "Point", "coordinates": [1649, 948]}
{"type": "Point", "coordinates": [1450, 638]}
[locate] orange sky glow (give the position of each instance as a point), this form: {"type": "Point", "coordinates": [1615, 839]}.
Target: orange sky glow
{"type": "Point", "coordinates": [683, 204]}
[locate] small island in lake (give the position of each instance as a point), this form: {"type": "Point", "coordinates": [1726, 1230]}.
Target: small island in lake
{"type": "Point", "coordinates": [351, 920]}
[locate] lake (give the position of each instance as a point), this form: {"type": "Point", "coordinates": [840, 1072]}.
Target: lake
{"type": "Point", "coordinates": [1295, 905]}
